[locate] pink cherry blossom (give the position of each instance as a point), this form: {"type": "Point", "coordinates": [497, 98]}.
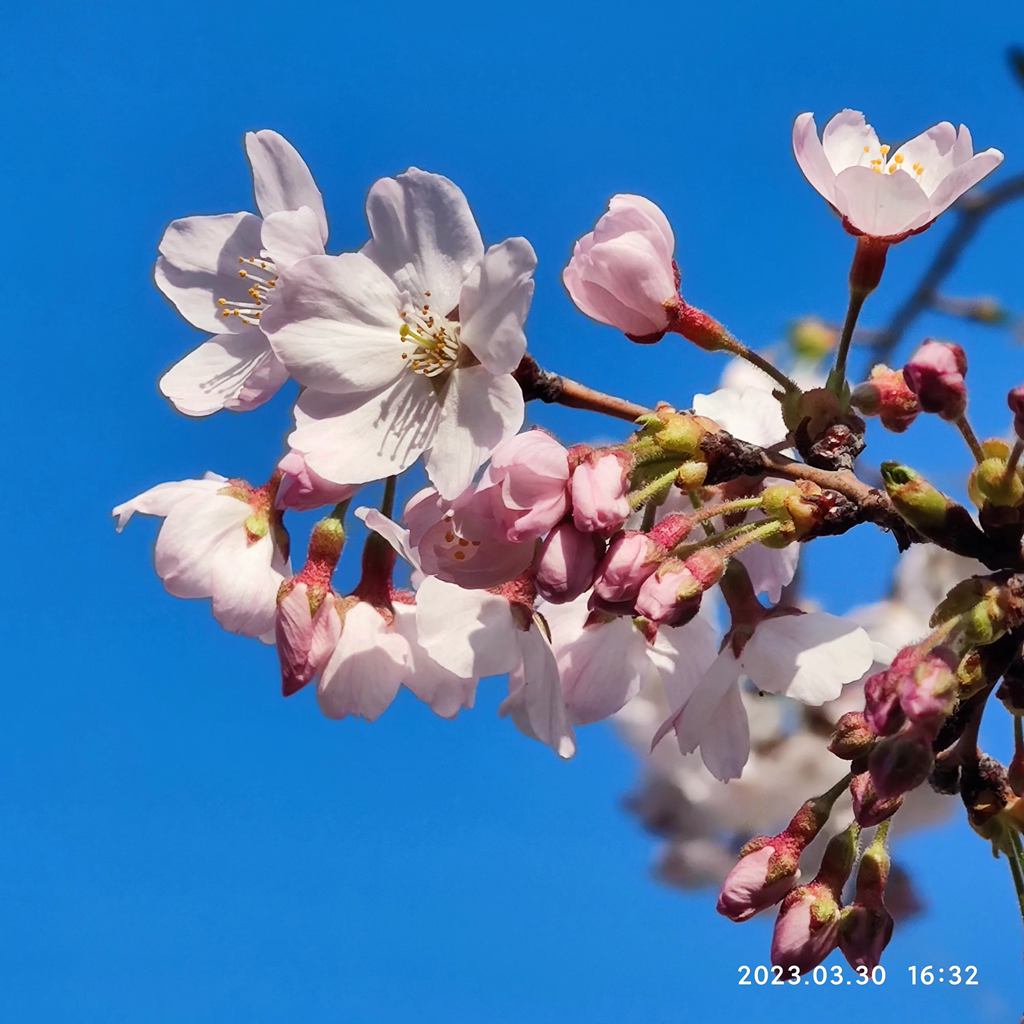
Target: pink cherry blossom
{"type": "Point", "coordinates": [622, 273]}
{"type": "Point", "coordinates": [220, 539]}
{"type": "Point", "coordinates": [567, 563]}
{"type": "Point", "coordinates": [807, 929]}
{"type": "Point", "coordinates": [303, 489]}
{"type": "Point", "coordinates": [408, 346]}
{"type": "Point", "coordinates": [307, 630]}
{"type": "Point", "coordinates": [599, 489]}
{"type": "Point", "coordinates": [935, 374]}
{"type": "Point", "coordinates": [882, 196]}
{"type": "Point", "coordinates": [531, 474]}
{"type": "Point", "coordinates": [748, 888]}
{"type": "Point", "coordinates": [632, 557]}
{"type": "Point", "coordinates": [221, 273]}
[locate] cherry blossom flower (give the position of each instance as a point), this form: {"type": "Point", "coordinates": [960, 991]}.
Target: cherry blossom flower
{"type": "Point", "coordinates": [303, 489]}
{"type": "Point", "coordinates": [882, 196]}
{"type": "Point", "coordinates": [622, 273]}
{"type": "Point", "coordinates": [407, 347]}
{"type": "Point", "coordinates": [807, 656]}
{"type": "Point", "coordinates": [220, 539]}
{"type": "Point", "coordinates": [531, 471]}
{"type": "Point", "coordinates": [221, 272]}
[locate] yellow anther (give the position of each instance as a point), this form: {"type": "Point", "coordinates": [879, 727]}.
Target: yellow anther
{"type": "Point", "coordinates": [867, 149]}
{"type": "Point", "coordinates": [884, 150]}
{"type": "Point", "coordinates": [898, 158]}
{"type": "Point", "coordinates": [243, 273]}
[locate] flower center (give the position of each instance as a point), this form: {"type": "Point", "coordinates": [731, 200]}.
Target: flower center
{"type": "Point", "coordinates": [260, 275]}
{"type": "Point", "coordinates": [882, 165]}
{"type": "Point", "coordinates": [434, 340]}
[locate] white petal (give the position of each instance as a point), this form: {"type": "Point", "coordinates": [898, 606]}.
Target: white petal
{"type": "Point", "coordinates": [245, 584]}
{"type": "Point", "coordinates": [691, 720]}
{"type": "Point", "coordinates": [353, 439]}
{"type": "Point", "coordinates": [290, 236]}
{"type": "Point", "coordinates": [479, 411]}
{"type": "Point", "coordinates": [811, 157]}
{"type": "Point", "coordinates": [933, 150]}
{"type": "Point", "coordinates": [445, 692]}
{"type": "Point", "coordinates": [424, 235]}
{"type": "Point", "coordinates": [845, 138]}
{"type": "Point", "coordinates": [366, 669]}
{"type": "Point", "coordinates": [215, 375]}
{"type": "Point", "coordinates": [751, 414]}
{"type": "Point", "coordinates": [601, 669]}
{"type": "Point", "coordinates": [494, 303]}
{"type": "Point", "coordinates": [189, 538]}
{"type": "Point", "coordinates": [390, 530]}
{"type": "Point", "coordinates": [770, 569]}
{"type": "Point", "coordinates": [335, 323]}
{"type": "Point", "coordinates": [535, 701]}
{"type": "Point", "coordinates": [159, 500]}
{"type": "Point", "coordinates": [198, 265]}
{"type": "Point", "coordinates": [281, 179]}
{"type": "Point", "coordinates": [881, 205]}
{"type": "Point", "coordinates": [725, 746]}
{"type": "Point", "coordinates": [808, 657]}
{"type": "Point", "coordinates": [468, 632]}
{"type": "Point", "coordinates": [962, 178]}
{"type": "Point", "coordinates": [683, 655]}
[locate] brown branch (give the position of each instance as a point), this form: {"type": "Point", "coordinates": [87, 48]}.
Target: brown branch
{"type": "Point", "coordinates": [972, 212]}
{"type": "Point", "coordinates": [539, 384]}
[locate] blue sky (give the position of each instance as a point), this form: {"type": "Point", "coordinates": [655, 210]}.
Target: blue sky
{"type": "Point", "coordinates": [182, 845]}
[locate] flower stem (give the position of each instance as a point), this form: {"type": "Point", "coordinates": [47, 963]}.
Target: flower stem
{"type": "Point", "coordinates": [387, 503]}
{"type": "Point", "coordinates": [1015, 855]}
{"type": "Point", "coordinates": [655, 487]}
{"type": "Point", "coordinates": [339, 510]}
{"type": "Point", "coordinates": [1013, 461]}
{"type": "Point", "coordinates": [837, 378]}
{"type": "Point", "coordinates": [737, 348]}
{"type": "Point", "coordinates": [970, 437]}
{"type": "Point", "coordinates": [684, 550]}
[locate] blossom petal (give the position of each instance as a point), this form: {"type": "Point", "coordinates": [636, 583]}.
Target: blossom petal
{"type": "Point", "coordinates": [245, 584]}
{"type": "Point", "coordinates": [353, 439]}
{"type": "Point", "coordinates": [367, 667]}
{"type": "Point", "coordinates": [933, 150]}
{"type": "Point", "coordinates": [601, 669]}
{"type": "Point", "coordinates": [291, 235]}
{"type": "Point", "coordinates": [335, 324]}
{"type": "Point", "coordinates": [964, 177]}
{"type": "Point", "coordinates": [535, 701]}
{"type": "Point", "coordinates": [691, 721]}
{"type": "Point", "coordinates": [881, 205]}
{"type": "Point", "coordinates": [725, 745]}
{"type": "Point", "coordinates": [844, 140]}
{"type": "Point", "coordinates": [281, 180]}
{"type": "Point", "coordinates": [390, 530]}
{"type": "Point", "coordinates": [494, 302]}
{"type": "Point", "coordinates": [198, 265]}
{"type": "Point", "coordinates": [159, 500]}
{"type": "Point", "coordinates": [809, 657]}
{"type": "Point", "coordinates": [479, 411]}
{"type": "Point", "coordinates": [424, 236]}
{"type": "Point", "coordinates": [469, 632]}
{"type": "Point", "coordinates": [811, 157]}
{"type": "Point", "coordinates": [751, 414]}
{"type": "Point", "coordinates": [229, 371]}
{"type": "Point", "coordinates": [445, 692]}
{"type": "Point", "coordinates": [770, 569]}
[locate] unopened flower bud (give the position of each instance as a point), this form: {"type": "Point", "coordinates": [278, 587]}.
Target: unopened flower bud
{"type": "Point", "coordinates": [900, 763]}
{"type": "Point", "coordinates": [869, 806]}
{"type": "Point", "coordinates": [599, 488]}
{"type": "Point", "coordinates": [886, 395]}
{"type": "Point", "coordinates": [671, 596]}
{"type": "Point", "coordinates": [762, 876]}
{"type": "Point", "coordinates": [882, 710]}
{"type": "Point", "coordinates": [935, 373]}
{"type": "Point", "coordinates": [1015, 400]}
{"type": "Point", "coordinates": [302, 489]}
{"type": "Point", "coordinates": [853, 737]}
{"type": "Point", "coordinates": [865, 928]}
{"type": "Point", "coordinates": [989, 483]}
{"type": "Point", "coordinates": [631, 558]}
{"type": "Point", "coordinates": [676, 434]}
{"type": "Point", "coordinates": [622, 273]}
{"type": "Point", "coordinates": [567, 562]}
{"type": "Point", "coordinates": [929, 692]}
{"type": "Point", "coordinates": [797, 506]}
{"type": "Point", "coordinates": [916, 500]}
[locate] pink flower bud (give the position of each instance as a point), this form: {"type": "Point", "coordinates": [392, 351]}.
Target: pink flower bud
{"type": "Point", "coordinates": [807, 929]}
{"type": "Point", "coordinates": [869, 807]}
{"type": "Point", "coordinates": [928, 694]}
{"type": "Point", "coordinates": [631, 558]}
{"type": "Point", "coordinates": [882, 710]}
{"type": "Point", "coordinates": [935, 373]}
{"type": "Point", "coordinates": [622, 273]}
{"type": "Point", "coordinates": [900, 763]}
{"type": "Point", "coordinates": [853, 737]}
{"type": "Point", "coordinates": [307, 630]}
{"type": "Point", "coordinates": [887, 396]}
{"type": "Point", "coordinates": [302, 489]}
{"type": "Point", "coordinates": [671, 596]}
{"type": "Point", "coordinates": [1015, 400]}
{"type": "Point", "coordinates": [568, 560]}
{"type": "Point", "coordinates": [600, 484]}
{"type": "Point", "coordinates": [864, 932]}
{"type": "Point", "coordinates": [531, 471]}
{"type": "Point", "coordinates": [759, 880]}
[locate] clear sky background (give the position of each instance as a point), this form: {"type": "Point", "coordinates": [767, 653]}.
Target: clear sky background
{"type": "Point", "coordinates": [178, 843]}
